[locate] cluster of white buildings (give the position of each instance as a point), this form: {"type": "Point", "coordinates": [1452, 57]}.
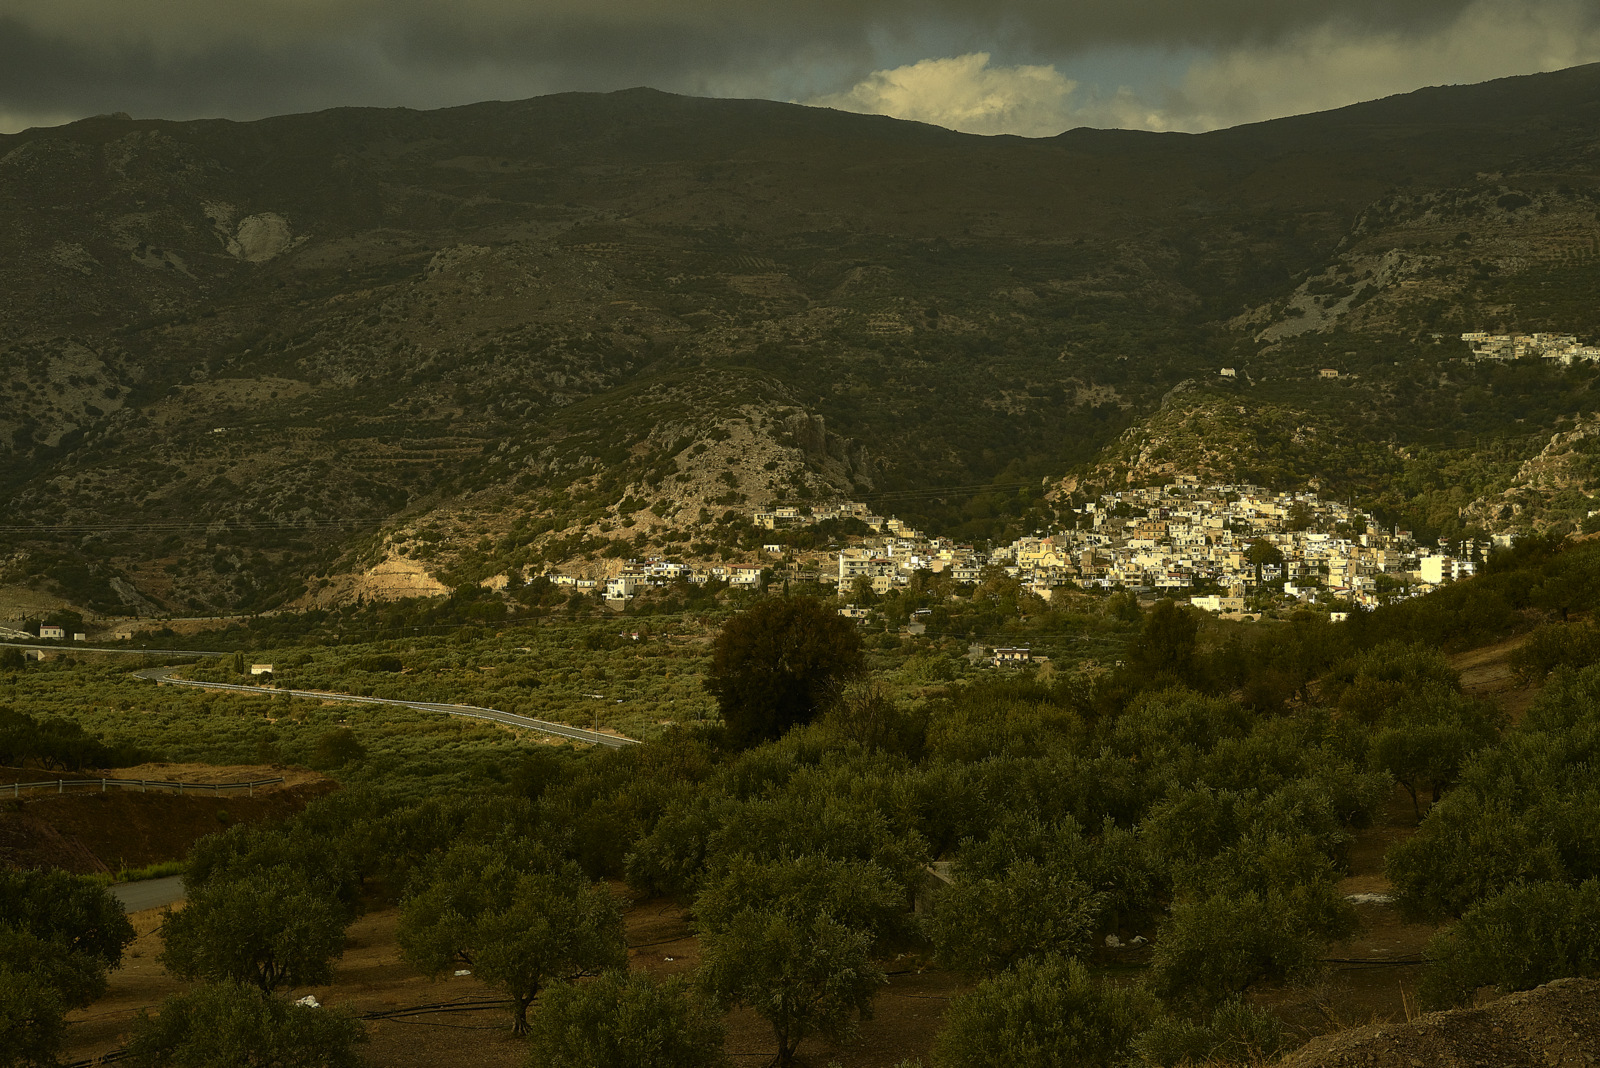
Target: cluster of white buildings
{"type": "Point", "coordinates": [1176, 540]}
{"type": "Point", "coordinates": [637, 575]}
{"type": "Point", "coordinates": [1236, 538]}
{"type": "Point", "coordinates": [1563, 348]}
{"type": "Point", "coordinates": [1172, 539]}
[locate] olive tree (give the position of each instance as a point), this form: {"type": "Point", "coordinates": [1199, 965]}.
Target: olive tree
{"type": "Point", "coordinates": [624, 1020]}
{"type": "Point", "coordinates": [1043, 1013]}
{"type": "Point", "coordinates": [804, 975]}
{"type": "Point", "coordinates": [322, 860]}
{"type": "Point", "coordinates": [80, 915]}
{"type": "Point", "coordinates": [59, 936]}
{"type": "Point", "coordinates": [793, 938]}
{"type": "Point", "coordinates": [32, 1018]}
{"type": "Point", "coordinates": [1214, 948]}
{"type": "Point", "coordinates": [1428, 737]}
{"type": "Point", "coordinates": [516, 926]}
{"type": "Point", "coordinates": [232, 1026]}
{"type": "Point", "coordinates": [982, 925]}
{"type": "Point", "coordinates": [270, 929]}
{"type": "Point", "coordinates": [1234, 1033]}
{"type": "Point", "coordinates": [1516, 940]}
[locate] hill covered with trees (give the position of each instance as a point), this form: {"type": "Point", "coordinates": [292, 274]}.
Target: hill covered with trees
{"type": "Point", "coordinates": [1153, 853]}
{"type": "Point", "coordinates": [248, 358]}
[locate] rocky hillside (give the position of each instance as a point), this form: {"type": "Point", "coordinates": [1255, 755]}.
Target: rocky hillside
{"type": "Point", "coordinates": [251, 360]}
{"type": "Point", "coordinates": [1552, 1025]}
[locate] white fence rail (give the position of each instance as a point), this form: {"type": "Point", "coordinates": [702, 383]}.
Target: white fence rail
{"type": "Point", "coordinates": [61, 786]}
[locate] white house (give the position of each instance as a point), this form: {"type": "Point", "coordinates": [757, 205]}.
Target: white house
{"type": "Point", "coordinates": [744, 576]}
{"type": "Point", "coordinates": [51, 631]}
{"type": "Point", "coordinates": [621, 587]}
{"type": "Point", "coordinates": [1437, 569]}
{"type": "Point", "coordinates": [1013, 657]}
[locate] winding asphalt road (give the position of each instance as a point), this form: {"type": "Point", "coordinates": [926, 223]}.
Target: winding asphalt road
{"type": "Point", "coordinates": [149, 894]}
{"type": "Point", "coordinates": [74, 647]}
{"type": "Point", "coordinates": [163, 676]}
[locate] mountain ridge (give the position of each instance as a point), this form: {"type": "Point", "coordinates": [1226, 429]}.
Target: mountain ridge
{"type": "Point", "coordinates": [536, 310]}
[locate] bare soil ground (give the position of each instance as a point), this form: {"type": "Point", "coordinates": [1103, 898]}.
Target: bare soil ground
{"type": "Point", "coordinates": [1373, 976]}
{"type": "Point", "coordinates": [86, 831]}
{"type": "Point", "coordinates": [1554, 1025]}
{"type": "Point", "coordinates": [18, 603]}
{"type": "Point", "coordinates": [371, 977]}
{"type": "Point", "coordinates": [1487, 673]}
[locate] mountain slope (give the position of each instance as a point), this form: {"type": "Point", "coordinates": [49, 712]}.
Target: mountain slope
{"type": "Point", "coordinates": [247, 354]}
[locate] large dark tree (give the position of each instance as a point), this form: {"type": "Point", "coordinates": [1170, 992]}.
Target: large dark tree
{"type": "Point", "coordinates": [59, 935]}
{"type": "Point", "coordinates": [625, 1019]}
{"type": "Point", "coordinates": [231, 1026]}
{"type": "Point", "coordinates": [514, 918]}
{"type": "Point", "coordinates": [1166, 643]}
{"type": "Point", "coordinates": [779, 664]}
{"type": "Point", "coordinates": [273, 928]}
{"type": "Point", "coordinates": [1263, 553]}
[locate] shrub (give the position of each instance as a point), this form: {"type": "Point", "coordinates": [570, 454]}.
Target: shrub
{"type": "Point", "coordinates": [1043, 1013]}
{"type": "Point", "coordinates": [1516, 940]}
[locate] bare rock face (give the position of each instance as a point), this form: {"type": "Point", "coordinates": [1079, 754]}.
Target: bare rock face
{"type": "Point", "coordinates": [261, 237]}
{"type": "Point", "coordinates": [1556, 1025]}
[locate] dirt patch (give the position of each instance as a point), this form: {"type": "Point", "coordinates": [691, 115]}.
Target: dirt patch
{"type": "Point", "coordinates": [140, 983]}
{"type": "Point", "coordinates": [18, 603]}
{"type": "Point", "coordinates": [396, 577]}
{"type": "Point", "coordinates": [223, 773]}
{"type": "Point", "coordinates": [88, 831]}
{"type": "Point", "coordinates": [27, 841]}
{"type": "Point", "coordinates": [1486, 673]}
{"type": "Point", "coordinates": [372, 977]}
{"type": "Point", "coordinates": [1556, 1024]}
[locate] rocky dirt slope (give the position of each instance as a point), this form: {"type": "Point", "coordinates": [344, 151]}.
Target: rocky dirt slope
{"type": "Point", "coordinates": [1556, 1025]}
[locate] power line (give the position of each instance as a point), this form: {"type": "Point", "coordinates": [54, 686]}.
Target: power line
{"type": "Point", "coordinates": [220, 526]}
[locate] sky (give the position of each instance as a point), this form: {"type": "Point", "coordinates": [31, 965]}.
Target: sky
{"type": "Point", "coordinates": [1026, 67]}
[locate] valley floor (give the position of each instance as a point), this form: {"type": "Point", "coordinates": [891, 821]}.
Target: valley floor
{"type": "Point", "coordinates": [1371, 979]}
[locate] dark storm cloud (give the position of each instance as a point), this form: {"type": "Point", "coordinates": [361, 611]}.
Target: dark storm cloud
{"type": "Point", "coordinates": [44, 75]}
{"type": "Point", "coordinates": [184, 58]}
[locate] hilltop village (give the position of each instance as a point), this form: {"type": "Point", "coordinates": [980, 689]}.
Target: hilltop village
{"type": "Point", "coordinates": [1562, 348]}
{"type": "Point", "coordinates": [1222, 548]}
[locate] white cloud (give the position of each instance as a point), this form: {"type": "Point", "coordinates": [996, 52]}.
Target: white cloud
{"type": "Point", "coordinates": [1327, 67]}
{"type": "Point", "coordinates": [964, 93]}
